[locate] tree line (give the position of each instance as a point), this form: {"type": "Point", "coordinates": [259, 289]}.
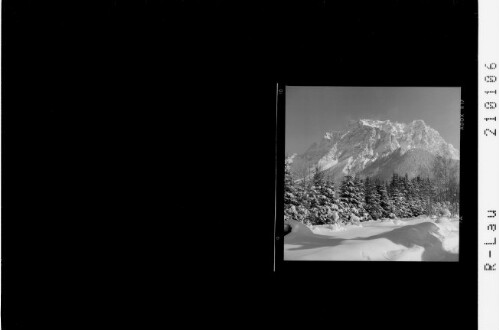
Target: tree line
{"type": "Point", "coordinates": [319, 201]}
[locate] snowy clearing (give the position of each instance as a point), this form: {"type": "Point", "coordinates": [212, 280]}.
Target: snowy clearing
{"type": "Point", "coordinates": [413, 239]}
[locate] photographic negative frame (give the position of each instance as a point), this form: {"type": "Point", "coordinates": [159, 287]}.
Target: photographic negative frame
{"type": "Point", "coordinates": [353, 69]}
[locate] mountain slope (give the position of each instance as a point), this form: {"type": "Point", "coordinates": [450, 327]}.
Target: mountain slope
{"type": "Point", "coordinates": [374, 148]}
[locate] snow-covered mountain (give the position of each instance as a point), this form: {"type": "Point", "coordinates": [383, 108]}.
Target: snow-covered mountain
{"type": "Point", "coordinates": [375, 148]}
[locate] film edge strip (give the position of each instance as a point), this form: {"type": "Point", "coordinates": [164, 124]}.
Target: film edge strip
{"type": "Point", "coordinates": [488, 165]}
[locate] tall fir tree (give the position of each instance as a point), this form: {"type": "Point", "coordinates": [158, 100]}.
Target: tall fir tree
{"type": "Point", "coordinates": [432, 196]}
{"type": "Point", "coordinates": [368, 183]}
{"type": "Point", "coordinates": [397, 195]}
{"type": "Point", "coordinates": [290, 195]}
{"type": "Point", "coordinates": [385, 202]}
{"type": "Point", "coordinates": [330, 201]}
{"type": "Point", "coordinates": [362, 212]}
{"type": "Point", "coordinates": [417, 199]}
{"type": "Point", "coordinates": [351, 199]}
{"type": "Point", "coordinates": [289, 187]}
{"type": "Point", "coordinates": [329, 191]}
{"type": "Point", "coordinates": [372, 199]}
{"type": "Point", "coordinates": [322, 200]}
{"type": "Point", "coordinates": [347, 193]}
{"type": "Point", "coordinates": [408, 192]}
{"type": "Point", "coordinates": [296, 202]}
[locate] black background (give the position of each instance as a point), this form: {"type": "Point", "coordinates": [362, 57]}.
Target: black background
{"type": "Point", "coordinates": [138, 159]}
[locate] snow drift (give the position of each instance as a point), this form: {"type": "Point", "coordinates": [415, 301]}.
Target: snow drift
{"type": "Point", "coordinates": [417, 239]}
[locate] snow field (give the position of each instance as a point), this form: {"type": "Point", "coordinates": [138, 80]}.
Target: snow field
{"type": "Point", "coordinates": [414, 239]}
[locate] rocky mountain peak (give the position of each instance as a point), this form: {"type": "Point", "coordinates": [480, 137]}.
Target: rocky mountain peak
{"type": "Point", "coordinates": [367, 142]}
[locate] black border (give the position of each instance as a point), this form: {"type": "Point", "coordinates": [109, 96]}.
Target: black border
{"type": "Point", "coordinates": [80, 80]}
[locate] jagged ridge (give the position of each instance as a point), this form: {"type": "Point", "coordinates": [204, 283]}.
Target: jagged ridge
{"type": "Point", "coordinates": [375, 148]}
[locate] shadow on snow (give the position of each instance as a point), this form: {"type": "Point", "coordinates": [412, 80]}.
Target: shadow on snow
{"type": "Point", "coordinates": [408, 236]}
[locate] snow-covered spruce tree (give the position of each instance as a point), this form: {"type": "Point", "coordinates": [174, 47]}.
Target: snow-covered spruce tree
{"type": "Point", "coordinates": [368, 183]}
{"type": "Point", "coordinates": [385, 202]}
{"type": "Point", "coordinates": [347, 190]}
{"type": "Point", "coordinates": [360, 185]}
{"type": "Point", "coordinates": [316, 216]}
{"type": "Point", "coordinates": [303, 208]}
{"type": "Point", "coordinates": [423, 192]}
{"type": "Point", "coordinates": [350, 199]}
{"type": "Point", "coordinates": [393, 192]}
{"type": "Point", "coordinates": [322, 198]}
{"type": "Point", "coordinates": [406, 203]}
{"type": "Point", "coordinates": [399, 202]}
{"type": "Point", "coordinates": [295, 198]}
{"type": "Point", "coordinates": [290, 195]}
{"type": "Point", "coordinates": [289, 187]}
{"type": "Point", "coordinates": [417, 199]}
{"type": "Point", "coordinates": [313, 198]}
{"type": "Point", "coordinates": [328, 190]}
{"type": "Point", "coordinates": [391, 184]}
{"type": "Point", "coordinates": [330, 201]}
{"type": "Point", "coordinates": [373, 199]}
{"type": "Point", "coordinates": [407, 190]}
{"type": "Point", "coordinates": [430, 196]}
